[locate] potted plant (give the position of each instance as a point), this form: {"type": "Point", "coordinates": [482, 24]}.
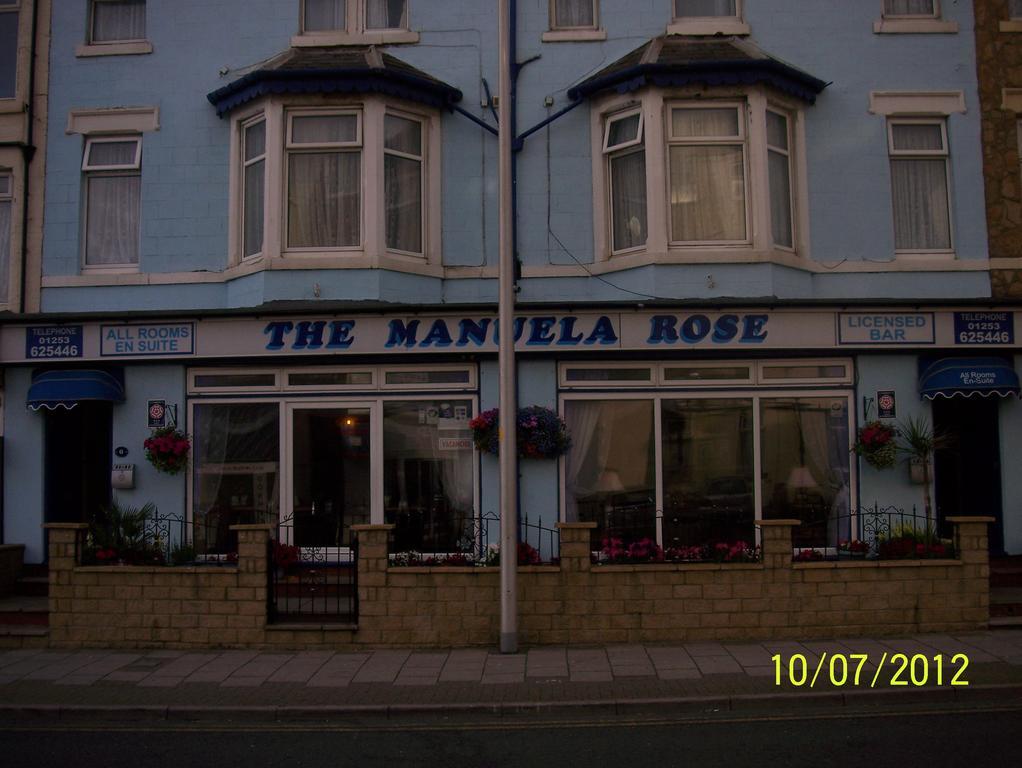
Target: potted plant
{"type": "Point", "coordinates": [876, 443]}
{"type": "Point", "coordinates": [167, 449]}
{"type": "Point", "coordinates": [918, 442]}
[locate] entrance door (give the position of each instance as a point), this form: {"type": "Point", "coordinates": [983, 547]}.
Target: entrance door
{"type": "Point", "coordinates": [967, 473]}
{"type": "Point", "coordinates": [330, 486]}
{"type": "Point", "coordinates": [78, 463]}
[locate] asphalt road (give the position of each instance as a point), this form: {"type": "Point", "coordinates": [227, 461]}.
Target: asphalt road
{"type": "Point", "coordinates": [932, 739]}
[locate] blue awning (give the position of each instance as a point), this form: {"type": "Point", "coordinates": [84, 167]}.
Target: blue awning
{"type": "Point", "coordinates": [65, 389]}
{"type": "Point", "coordinates": [968, 377]}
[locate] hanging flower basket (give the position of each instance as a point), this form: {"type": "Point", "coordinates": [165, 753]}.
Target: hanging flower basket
{"type": "Point", "coordinates": [876, 444]}
{"type": "Point", "coordinates": [542, 434]}
{"type": "Point", "coordinates": [167, 450]}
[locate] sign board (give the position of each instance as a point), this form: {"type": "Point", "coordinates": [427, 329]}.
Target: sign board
{"type": "Point", "coordinates": [158, 339]}
{"type": "Point", "coordinates": [157, 411]}
{"type": "Point", "coordinates": [53, 342]}
{"type": "Point", "coordinates": [558, 332]}
{"type": "Point", "coordinates": [886, 328]}
{"type": "Point", "coordinates": [984, 328]}
{"type": "Point", "coordinates": [887, 404]}
{"type": "Point", "coordinates": [456, 444]}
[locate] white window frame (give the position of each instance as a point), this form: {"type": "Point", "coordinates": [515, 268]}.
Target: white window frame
{"type": "Point", "coordinates": [372, 252]}
{"type": "Point", "coordinates": [655, 105]}
{"type": "Point", "coordinates": [742, 140]}
{"type": "Point", "coordinates": [91, 28]}
{"type": "Point", "coordinates": [756, 395]}
{"type": "Point", "coordinates": [423, 162]}
{"type": "Point", "coordinates": [91, 171]}
{"type": "Point", "coordinates": [923, 154]}
{"type": "Point", "coordinates": [295, 148]}
{"type": "Point", "coordinates": [608, 155]}
{"type": "Point", "coordinates": [708, 25]}
{"type": "Point", "coordinates": [245, 165]}
{"type": "Point", "coordinates": [756, 378]}
{"type": "Point", "coordinates": [378, 374]}
{"type": "Point", "coordinates": [7, 197]}
{"type": "Point", "coordinates": [554, 26]}
{"type": "Point", "coordinates": [913, 23]}
{"type": "Point", "coordinates": [356, 30]}
{"type": "Point", "coordinates": [789, 153]}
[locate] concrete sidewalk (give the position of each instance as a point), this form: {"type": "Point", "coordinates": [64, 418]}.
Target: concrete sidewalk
{"type": "Point", "coordinates": [196, 685]}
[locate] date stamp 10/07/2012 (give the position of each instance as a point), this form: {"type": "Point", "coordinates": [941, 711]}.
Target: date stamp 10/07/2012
{"type": "Point", "coordinates": [856, 670]}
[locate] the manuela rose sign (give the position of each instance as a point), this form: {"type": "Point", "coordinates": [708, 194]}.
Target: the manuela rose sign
{"type": "Point", "coordinates": [553, 332]}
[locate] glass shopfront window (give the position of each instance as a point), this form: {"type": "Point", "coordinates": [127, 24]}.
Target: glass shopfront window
{"type": "Point", "coordinates": [609, 470]}
{"type": "Point", "coordinates": [236, 471]}
{"type": "Point", "coordinates": [699, 467]}
{"type": "Point", "coordinates": [708, 471]}
{"type": "Point", "coordinates": [428, 469]}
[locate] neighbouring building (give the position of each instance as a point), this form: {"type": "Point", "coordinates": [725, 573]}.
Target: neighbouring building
{"type": "Point", "coordinates": [745, 229]}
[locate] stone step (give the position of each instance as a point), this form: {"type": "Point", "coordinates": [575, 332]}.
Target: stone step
{"type": "Point", "coordinates": [32, 586]}
{"type": "Point", "coordinates": [25, 611]}
{"type": "Point", "coordinates": [1005, 622]}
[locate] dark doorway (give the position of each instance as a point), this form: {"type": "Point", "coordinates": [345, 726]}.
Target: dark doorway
{"type": "Point", "coordinates": [967, 473]}
{"type": "Point", "coordinates": [78, 463]}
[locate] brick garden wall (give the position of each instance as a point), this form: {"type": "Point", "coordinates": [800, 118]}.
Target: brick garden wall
{"type": "Point", "coordinates": [573, 603]}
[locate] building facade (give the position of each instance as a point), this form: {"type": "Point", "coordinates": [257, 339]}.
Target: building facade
{"type": "Point", "coordinates": [745, 229]}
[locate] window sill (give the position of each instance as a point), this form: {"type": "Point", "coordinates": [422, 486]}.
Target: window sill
{"type": "Point", "coordinates": [1014, 25]}
{"type": "Point", "coordinates": [574, 35]}
{"type": "Point", "coordinates": [915, 27]}
{"type": "Point", "coordinates": [709, 27]}
{"type": "Point", "coordinates": [925, 255]}
{"type": "Point", "coordinates": [114, 49]}
{"type": "Point", "coordinates": [387, 37]}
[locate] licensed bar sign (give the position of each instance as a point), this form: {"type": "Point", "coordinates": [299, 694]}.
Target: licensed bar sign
{"type": "Point", "coordinates": [984, 328]}
{"type": "Point", "coordinates": [53, 342]}
{"type": "Point", "coordinates": [886, 328]}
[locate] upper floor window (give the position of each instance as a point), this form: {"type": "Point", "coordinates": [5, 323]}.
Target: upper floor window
{"type": "Point", "coordinates": [116, 21]}
{"type": "Point", "coordinates": [913, 17]}
{"type": "Point", "coordinates": [1015, 9]}
{"type": "Point", "coordinates": [353, 182]}
{"type": "Point", "coordinates": [5, 234]}
{"type": "Point", "coordinates": [707, 173]}
{"type": "Point", "coordinates": [572, 14]}
{"type": "Point", "coordinates": [705, 8]}
{"type": "Point", "coordinates": [919, 179]}
{"type": "Point", "coordinates": [353, 15]}
{"type": "Point", "coordinates": [626, 155]}
{"type": "Point", "coordinates": [8, 48]}
{"type": "Point", "coordinates": [911, 9]}
{"type": "Point", "coordinates": [112, 171]}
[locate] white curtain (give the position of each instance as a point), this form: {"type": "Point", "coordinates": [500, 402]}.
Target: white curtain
{"type": "Point", "coordinates": [115, 20]}
{"type": "Point", "coordinates": [324, 15]}
{"type": "Point", "coordinates": [112, 226]}
{"type": "Point", "coordinates": [588, 457]}
{"type": "Point", "coordinates": [908, 7]}
{"type": "Point", "coordinates": [5, 248]}
{"type": "Point", "coordinates": [780, 198]}
{"type": "Point", "coordinates": [324, 199]}
{"type": "Point", "coordinates": [403, 200]}
{"type": "Point", "coordinates": [628, 199]}
{"type": "Point", "coordinates": [707, 193]}
{"type": "Point", "coordinates": [920, 197]}
{"type": "Point", "coordinates": [254, 197]}
{"type": "Point", "coordinates": [573, 13]}
{"type": "Point", "coordinates": [385, 14]}
{"type": "Point", "coordinates": [704, 8]}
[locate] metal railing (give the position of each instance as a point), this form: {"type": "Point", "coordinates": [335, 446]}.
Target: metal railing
{"type": "Point", "coordinates": [428, 540]}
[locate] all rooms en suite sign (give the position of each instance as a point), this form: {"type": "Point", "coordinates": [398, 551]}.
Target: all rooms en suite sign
{"type": "Point", "coordinates": [534, 332]}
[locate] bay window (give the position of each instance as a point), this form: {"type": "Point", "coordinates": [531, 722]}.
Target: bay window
{"type": "Point", "coordinates": [713, 175]}
{"type": "Point", "coordinates": [356, 183]}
